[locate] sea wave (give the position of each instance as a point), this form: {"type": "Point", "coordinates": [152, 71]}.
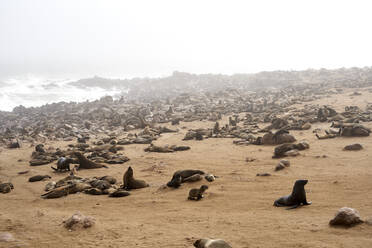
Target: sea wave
{"type": "Point", "coordinates": [34, 91]}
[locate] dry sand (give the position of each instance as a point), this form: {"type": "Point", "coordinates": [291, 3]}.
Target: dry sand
{"type": "Point", "coordinates": [238, 206]}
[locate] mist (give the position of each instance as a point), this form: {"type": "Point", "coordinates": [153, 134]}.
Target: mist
{"type": "Point", "coordinates": [127, 39]}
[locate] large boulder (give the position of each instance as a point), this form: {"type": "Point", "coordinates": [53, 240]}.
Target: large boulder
{"type": "Point", "coordinates": [78, 220]}
{"type": "Point", "coordinates": [346, 217]}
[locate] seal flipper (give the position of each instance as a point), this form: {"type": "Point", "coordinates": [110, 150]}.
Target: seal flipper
{"type": "Point", "coordinates": [293, 207]}
{"type": "Point", "coordinates": [277, 204]}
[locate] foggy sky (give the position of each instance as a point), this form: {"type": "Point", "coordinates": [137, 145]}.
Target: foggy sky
{"type": "Point", "coordinates": [153, 38]}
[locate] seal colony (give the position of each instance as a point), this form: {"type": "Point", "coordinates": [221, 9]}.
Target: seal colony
{"type": "Point", "coordinates": [198, 137]}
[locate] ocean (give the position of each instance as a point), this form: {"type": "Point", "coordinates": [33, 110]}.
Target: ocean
{"type": "Point", "coordinates": [32, 91]}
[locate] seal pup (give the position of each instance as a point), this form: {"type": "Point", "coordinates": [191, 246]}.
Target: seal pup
{"type": "Point", "coordinates": [40, 148]}
{"type": "Point", "coordinates": [130, 183]}
{"type": "Point", "coordinates": [6, 187]}
{"type": "Point", "coordinates": [63, 164]}
{"type": "Point", "coordinates": [85, 163]}
{"type": "Point", "coordinates": [197, 194]}
{"type": "Point", "coordinates": [211, 243]}
{"type": "Point", "coordinates": [295, 199]}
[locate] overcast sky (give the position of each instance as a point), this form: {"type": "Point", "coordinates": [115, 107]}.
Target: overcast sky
{"type": "Point", "coordinates": [153, 38]}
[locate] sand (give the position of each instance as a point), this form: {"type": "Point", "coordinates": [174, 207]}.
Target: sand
{"type": "Point", "coordinates": [238, 207]}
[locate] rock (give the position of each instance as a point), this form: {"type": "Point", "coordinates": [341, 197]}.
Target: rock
{"type": "Point", "coordinates": [78, 220]}
{"type": "Point", "coordinates": [346, 217]}
{"type": "Point", "coordinates": [353, 147]}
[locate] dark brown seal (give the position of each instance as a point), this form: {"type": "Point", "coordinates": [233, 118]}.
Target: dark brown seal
{"type": "Point", "coordinates": [182, 176]}
{"type": "Point", "coordinates": [130, 183]}
{"type": "Point", "coordinates": [119, 193]}
{"type": "Point", "coordinates": [353, 147]}
{"type": "Point", "coordinates": [38, 178]}
{"type": "Point", "coordinates": [85, 163]}
{"type": "Point", "coordinates": [296, 198]}
{"type": "Point", "coordinates": [63, 164]}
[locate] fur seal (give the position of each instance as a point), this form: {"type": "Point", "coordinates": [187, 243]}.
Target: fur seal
{"type": "Point", "coordinates": [109, 179]}
{"type": "Point", "coordinates": [49, 186]}
{"type": "Point", "coordinates": [119, 193]}
{"type": "Point", "coordinates": [40, 148]}
{"type": "Point", "coordinates": [295, 199]}
{"type": "Point", "coordinates": [211, 243]}
{"type": "Point", "coordinates": [182, 176]}
{"type": "Point", "coordinates": [175, 182]}
{"type": "Point", "coordinates": [93, 191]}
{"type": "Point", "coordinates": [193, 178]}
{"type": "Point", "coordinates": [280, 151]}
{"type": "Point", "coordinates": [130, 183]}
{"type": "Point", "coordinates": [100, 184]}
{"type": "Point", "coordinates": [38, 178]}
{"type": "Point", "coordinates": [66, 190]}
{"type": "Point", "coordinates": [197, 194]}
{"type": "Point", "coordinates": [353, 147]}
{"type": "Point", "coordinates": [265, 174]}
{"type": "Point", "coordinates": [85, 163]}
{"type": "Point", "coordinates": [63, 164]}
